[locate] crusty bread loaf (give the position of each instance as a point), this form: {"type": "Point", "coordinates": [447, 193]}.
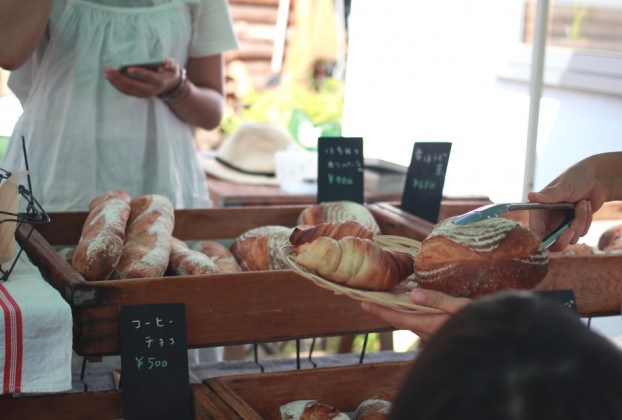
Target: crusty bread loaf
{"type": "Point", "coordinates": [148, 237]}
{"type": "Point", "coordinates": [186, 262]}
{"type": "Point", "coordinates": [103, 234]}
{"type": "Point", "coordinates": [336, 230]}
{"type": "Point", "coordinates": [259, 249]}
{"type": "Point", "coordinates": [221, 256]}
{"type": "Point", "coordinates": [338, 211]}
{"type": "Point", "coordinates": [611, 239]}
{"type": "Point", "coordinates": [355, 262]}
{"type": "Point", "coordinates": [308, 410]}
{"type": "Point", "coordinates": [67, 253]}
{"type": "Point", "coordinates": [480, 258]}
{"type": "Point", "coordinates": [574, 250]}
{"type": "Point", "coordinates": [373, 409]}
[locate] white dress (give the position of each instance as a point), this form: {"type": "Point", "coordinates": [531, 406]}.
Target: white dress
{"type": "Point", "coordinates": [82, 136]}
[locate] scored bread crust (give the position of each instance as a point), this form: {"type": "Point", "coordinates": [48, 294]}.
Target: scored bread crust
{"type": "Point", "coordinates": [185, 261]}
{"type": "Point", "coordinates": [355, 262]}
{"type": "Point", "coordinates": [338, 211]}
{"type": "Point", "coordinates": [149, 232]}
{"type": "Point", "coordinates": [307, 410]}
{"type": "Point", "coordinates": [100, 245]}
{"type": "Point", "coordinates": [259, 249]}
{"type": "Point", "coordinates": [221, 256]}
{"type": "Point", "coordinates": [480, 258]}
{"type": "Point", "coordinates": [336, 230]}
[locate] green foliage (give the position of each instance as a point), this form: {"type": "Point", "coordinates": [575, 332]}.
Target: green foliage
{"type": "Point", "coordinates": [293, 105]}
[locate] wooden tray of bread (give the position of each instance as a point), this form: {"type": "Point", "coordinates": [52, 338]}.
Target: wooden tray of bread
{"type": "Point", "coordinates": [397, 298]}
{"type": "Point", "coordinates": [221, 309]}
{"type": "Point", "coordinates": [344, 388]}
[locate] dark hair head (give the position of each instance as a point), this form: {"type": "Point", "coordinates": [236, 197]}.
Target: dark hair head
{"type": "Point", "coordinates": [513, 356]}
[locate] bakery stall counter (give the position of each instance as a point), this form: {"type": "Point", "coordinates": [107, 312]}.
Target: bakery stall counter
{"type": "Point", "coordinates": [222, 308]}
{"type": "Point", "coordinates": [230, 194]}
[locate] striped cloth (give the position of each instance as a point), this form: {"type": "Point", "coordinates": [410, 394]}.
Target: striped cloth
{"type": "Point", "coordinates": [35, 333]}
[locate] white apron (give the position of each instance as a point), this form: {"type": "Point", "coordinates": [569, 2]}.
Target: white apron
{"type": "Point", "coordinates": [84, 137]}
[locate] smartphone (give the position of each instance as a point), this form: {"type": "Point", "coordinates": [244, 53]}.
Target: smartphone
{"type": "Point", "coordinates": [151, 65]}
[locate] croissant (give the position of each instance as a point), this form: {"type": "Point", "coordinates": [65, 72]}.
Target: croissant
{"type": "Point", "coordinates": [355, 262]}
{"type": "Point", "coordinates": [336, 230]}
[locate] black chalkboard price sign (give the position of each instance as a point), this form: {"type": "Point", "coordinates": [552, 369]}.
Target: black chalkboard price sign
{"type": "Point", "coordinates": [154, 362]}
{"type": "Point", "coordinates": [564, 298]}
{"type": "Point", "coordinates": [340, 169]}
{"type": "Point", "coordinates": [425, 178]}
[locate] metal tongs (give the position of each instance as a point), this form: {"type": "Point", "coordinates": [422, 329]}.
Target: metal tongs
{"type": "Point", "coordinates": [495, 210]}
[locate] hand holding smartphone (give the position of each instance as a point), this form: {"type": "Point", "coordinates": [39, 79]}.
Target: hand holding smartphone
{"type": "Point", "coordinates": [150, 65]}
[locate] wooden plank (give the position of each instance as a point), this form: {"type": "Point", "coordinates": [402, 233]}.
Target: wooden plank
{"type": "Point", "coordinates": [596, 281]}
{"type": "Point", "coordinates": [100, 405]}
{"type": "Point", "coordinates": [222, 309]}
{"type": "Point", "coordinates": [62, 406]}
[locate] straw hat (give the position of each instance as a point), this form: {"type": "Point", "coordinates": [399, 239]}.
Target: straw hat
{"type": "Point", "coordinates": [247, 155]}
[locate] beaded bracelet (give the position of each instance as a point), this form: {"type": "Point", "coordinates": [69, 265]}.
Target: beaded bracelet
{"type": "Point", "coordinates": [176, 93]}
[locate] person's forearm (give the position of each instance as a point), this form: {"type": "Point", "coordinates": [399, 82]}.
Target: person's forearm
{"type": "Point", "coordinates": [606, 169]}
{"type": "Point", "coordinates": [22, 23]}
{"type": "Point", "coordinates": [199, 107]}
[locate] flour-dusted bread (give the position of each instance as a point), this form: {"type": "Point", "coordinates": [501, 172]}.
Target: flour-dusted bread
{"type": "Point", "coordinates": [611, 239]}
{"type": "Point", "coordinates": [187, 262]}
{"type": "Point", "coordinates": [338, 211]}
{"type": "Point", "coordinates": [220, 254]}
{"type": "Point", "coordinates": [148, 237]}
{"type": "Point", "coordinates": [67, 253]}
{"type": "Point", "coordinates": [308, 410]}
{"type": "Point", "coordinates": [355, 262]}
{"type": "Point", "coordinates": [480, 258]}
{"type": "Point", "coordinates": [259, 249]}
{"type": "Point", "coordinates": [103, 235]}
{"type": "Point", "coordinates": [336, 230]}
{"type": "Point", "coordinates": [373, 409]}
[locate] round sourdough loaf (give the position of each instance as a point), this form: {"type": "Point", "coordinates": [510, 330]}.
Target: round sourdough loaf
{"type": "Point", "coordinates": [308, 410]}
{"type": "Point", "coordinates": [611, 239]}
{"type": "Point", "coordinates": [373, 409]}
{"type": "Point", "coordinates": [258, 249]}
{"type": "Point", "coordinates": [480, 258]}
{"type": "Point", "coordinates": [338, 211]}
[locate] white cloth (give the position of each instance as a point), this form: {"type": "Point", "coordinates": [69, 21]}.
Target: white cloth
{"type": "Point", "coordinates": [83, 137]}
{"type": "Point", "coordinates": [35, 333]}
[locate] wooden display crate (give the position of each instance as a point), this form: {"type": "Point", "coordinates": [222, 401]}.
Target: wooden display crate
{"type": "Point", "coordinates": [221, 309]}
{"type": "Point", "coordinates": [257, 396]}
{"type": "Point", "coordinates": [100, 405]}
{"type": "Point", "coordinates": [595, 279]}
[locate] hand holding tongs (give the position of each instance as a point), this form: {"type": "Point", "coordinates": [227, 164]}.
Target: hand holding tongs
{"type": "Point", "coordinates": [494, 210]}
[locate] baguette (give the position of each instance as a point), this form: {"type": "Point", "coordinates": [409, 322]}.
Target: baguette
{"type": "Point", "coordinates": [355, 262]}
{"type": "Point", "coordinates": [185, 261]}
{"type": "Point", "coordinates": [221, 256]}
{"type": "Point", "coordinates": [103, 234]}
{"type": "Point", "coordinates": [148, 237]}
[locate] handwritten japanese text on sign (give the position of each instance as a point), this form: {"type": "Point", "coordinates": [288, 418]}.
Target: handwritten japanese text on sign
{"type": "Point", "coordinates": [340, 169]}
{"type": "Point", "coordinates": [423, 190]}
